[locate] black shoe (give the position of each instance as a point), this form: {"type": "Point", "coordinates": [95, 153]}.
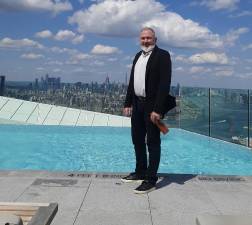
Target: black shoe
{"type": "Point", "coordinates": [145, 188]}
{"type": "Point", "coordinates": [132, 177]}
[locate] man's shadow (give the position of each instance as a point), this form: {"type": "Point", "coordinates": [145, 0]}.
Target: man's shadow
{"type": "Point", "coordinates": [167, 179]}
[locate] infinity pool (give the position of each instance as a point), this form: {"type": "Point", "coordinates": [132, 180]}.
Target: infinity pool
{"type": "Point", "coordinates": [109, 149]}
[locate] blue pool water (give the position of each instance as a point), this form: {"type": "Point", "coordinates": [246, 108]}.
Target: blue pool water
{"type": "Point", "coordinates": [109, 149]}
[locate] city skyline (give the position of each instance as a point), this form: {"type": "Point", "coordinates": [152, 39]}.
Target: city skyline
{"type": "Point", "coordinates": [87, 40]}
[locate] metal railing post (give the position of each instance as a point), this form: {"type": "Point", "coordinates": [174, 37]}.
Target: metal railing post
{"type": "Point", "coordinates": [209, 112]}
{"type": "Point", "coordinates": [249, 118]}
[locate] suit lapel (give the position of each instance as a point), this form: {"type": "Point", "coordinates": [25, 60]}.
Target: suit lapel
{"type": "Point", "coordinates": [136, 58]}
{"type": "Point", "coordinates": [150, 60]}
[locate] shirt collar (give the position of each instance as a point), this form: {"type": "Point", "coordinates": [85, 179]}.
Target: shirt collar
{"type": "Point", "coordinates": [146, 53]}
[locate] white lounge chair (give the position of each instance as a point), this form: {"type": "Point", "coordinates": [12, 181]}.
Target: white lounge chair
{"type": "Point", "coordinates": [28, 213]}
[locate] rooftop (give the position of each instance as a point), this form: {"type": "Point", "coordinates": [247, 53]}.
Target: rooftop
{"type": "Point", "coordinates": [102, 199]}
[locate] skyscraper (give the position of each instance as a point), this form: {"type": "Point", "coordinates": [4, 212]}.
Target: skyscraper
{"type": "Point", "coordinates": [2, 85]}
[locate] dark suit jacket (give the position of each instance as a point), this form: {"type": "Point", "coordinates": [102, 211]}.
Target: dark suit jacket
{"type": "Point", "coordinates": [157, 82]}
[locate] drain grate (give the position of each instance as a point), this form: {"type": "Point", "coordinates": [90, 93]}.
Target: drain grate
{"type": "Point", "coordinates": [116, 176]}
{"type": "Point", "coordinates": [221, 178]}
{"type": "Point", "coordinates": [96, 175]}
{"type": "Point", "coordinates": [55, 182]}
{"type": "Point", "coordinates": [84, 175]}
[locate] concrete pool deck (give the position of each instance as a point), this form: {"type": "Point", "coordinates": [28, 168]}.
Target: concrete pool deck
{"type": "Point", "coordinates": [102, 199]}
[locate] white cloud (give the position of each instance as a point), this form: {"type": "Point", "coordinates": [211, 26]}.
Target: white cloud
{"type": "Point", "coordinates": [81, 56]}
{"type": "Point", "coordinates": [233, 35]}
{"type": "Point", "coordinates": [198, 69]}
{"type": "Point", "coordinates": [31, 56]}
{"type": "Point", "coordinates": [44, 34]}
{"type": "Point", "coordinates": [129, 66]}
{"type": "Point", "coordinates": [224, 73]}
{"type": "Point", "coordinates": [125, 18]}
{"type": "Point", "coordinates": [56, 62]}
{"type": "Point", "coordinates": [22, 43]}
{"type": "Point", "coordinates": [78, 70]}
{"type": "Point", "coordinates": [179, 69]}
{"type": "Point", "coordinates": [63, 35]}
{"type": "Point", "coordinates": [36, 5]}
{"type": "Point", "coordinates": [59, 50]}
{"type": "Point", "coordinates": [57, 70]}
{"type": "Point", "coordinates": [175, 31]}
{"type": "Point", "coordinates": [116, 17]}
{"type": "Point", "coordinates": [248, 47]}
{"type": "Point", "coordinates": [77, 58]}
{"type": "Point", "coordinates": [245, 75]}
{"type": "Point", "coordinates": [181, 58]}
{"type": "Point", "coordinates": [98, 63]}
{"type": "Point", "coordinates": [209, 58]}
{"type": "Point", "coordinates": [241, 14]}
{"type": "Point", "coordinates": [103, 50]}
{"type": "Point", "coordinates": [78, 39]}
{"type": "Point", "coordinates": [40, 69]}
{"type": "Point", "coordinates": [112, 59]}
{"type": "Point", "coordinates": [215, 5]}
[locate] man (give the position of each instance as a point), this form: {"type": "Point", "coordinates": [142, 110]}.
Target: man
{"type": "Point", "coordinates": [146, 102]}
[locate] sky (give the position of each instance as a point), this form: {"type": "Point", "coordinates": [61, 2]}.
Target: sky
{"type": "Point", "coordinates": [210, 41]}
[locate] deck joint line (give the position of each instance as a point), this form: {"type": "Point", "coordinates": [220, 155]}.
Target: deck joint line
{"type": "Point", "coordinates": [82, 202]}
{"type": "Point", "coordinates": [150, 209]}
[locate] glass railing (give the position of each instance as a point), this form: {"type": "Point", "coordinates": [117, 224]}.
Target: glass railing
{"type": "Point", "coordinates": [229, 114]}
{"type": "Point", "coordinates": [195, 110]}
{"type": "Point", "coordinates": [221, 113]}
{"type": "Point", "coordinates": [250, 118]}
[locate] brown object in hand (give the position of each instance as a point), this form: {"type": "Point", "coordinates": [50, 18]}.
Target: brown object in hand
{"type": "Point", "coordinates": [162, 126]}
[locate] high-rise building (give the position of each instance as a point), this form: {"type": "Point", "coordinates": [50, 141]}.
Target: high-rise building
{"type": "Point", "coordinates": [52, 83]}
{"type": "Point", "coordinates": [2, 85]}
{"type": "Point", "coordinates": [126, 79]}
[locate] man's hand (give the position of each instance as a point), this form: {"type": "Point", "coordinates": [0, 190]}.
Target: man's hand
{"type": "Point", "coordinates": [155, 117]}
{"type": "Point", "coordinates": [127, 111]}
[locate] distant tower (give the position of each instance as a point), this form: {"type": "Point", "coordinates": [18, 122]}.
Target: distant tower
{"type": "Point", "coordinates": [36, 84]}
{"type": "Point", "coordinates": [178, 90]}
{"type": "Point", "coordinates": [126, 78]}
{"type": "Point", "coordinates": [2, 85]}
{"type": "Point", "coordinates": [106, 80]}
{"type": "Point", "coordinates": [106, 83]}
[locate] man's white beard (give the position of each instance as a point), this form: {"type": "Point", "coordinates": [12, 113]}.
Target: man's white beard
{"type": "Point", "coordinates": [147, 49]}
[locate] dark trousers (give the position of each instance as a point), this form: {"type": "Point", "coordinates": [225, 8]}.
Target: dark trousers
{"type": "Point", "coordinates": [143, 132]}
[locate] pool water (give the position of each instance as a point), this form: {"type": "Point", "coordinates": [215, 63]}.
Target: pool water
{"type": "Point", "coordinates": [109, 149]}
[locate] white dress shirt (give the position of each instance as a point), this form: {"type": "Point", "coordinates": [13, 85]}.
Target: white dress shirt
{"type": "Point", "coordinates": [139, 74]}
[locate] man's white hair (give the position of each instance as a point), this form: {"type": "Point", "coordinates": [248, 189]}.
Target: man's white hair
{"type": "Point", "coordinates": [148, 28]}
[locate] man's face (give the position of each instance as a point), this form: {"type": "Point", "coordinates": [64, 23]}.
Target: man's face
{"type": "Point", "coordinates": [147, 38]}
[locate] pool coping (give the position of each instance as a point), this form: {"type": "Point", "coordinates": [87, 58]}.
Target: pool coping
{"type": "Point", "coordinates": [118, 175]}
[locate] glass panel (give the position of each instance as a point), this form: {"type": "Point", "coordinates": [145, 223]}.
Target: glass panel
{"type": "Point", "coordinates": [250, 122]}
{"type": "Point", "coordinates": [229, 115]}
{"type": "Point", "coordinates": [194, 108]}
{"type": "Point", "coordinates": [173, 116]}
